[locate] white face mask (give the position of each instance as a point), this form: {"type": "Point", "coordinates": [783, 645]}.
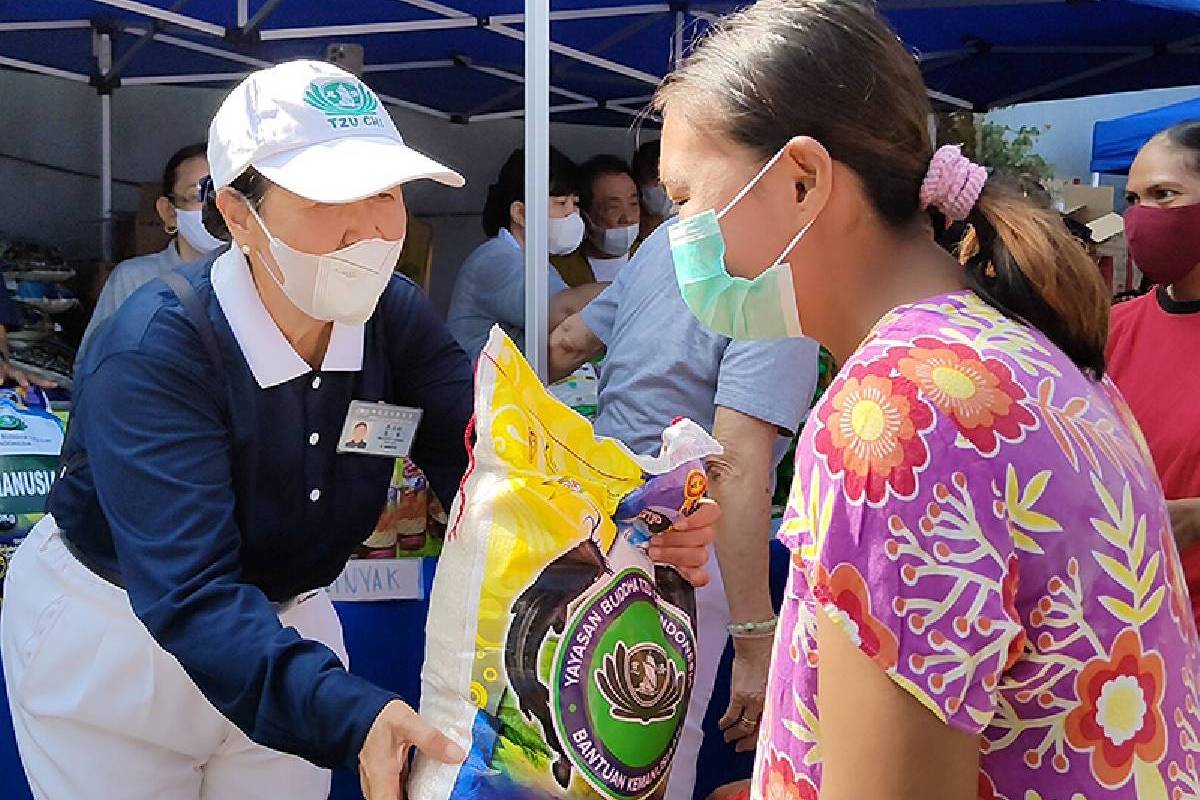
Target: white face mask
{"type": "Point", "coordinates": [342, 286]}
{"type": "Point", "coordinates": [191, 228]}
{"type": "Point", "coordinates": [657, 201]}
{"type": "Point", "coordinates": [565, 234]}
{"type": "Point", "coordinates": [615, 242]}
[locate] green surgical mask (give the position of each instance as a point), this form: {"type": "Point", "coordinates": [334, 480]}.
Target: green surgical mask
{"type": "Point", "coordinates": [740, 308]}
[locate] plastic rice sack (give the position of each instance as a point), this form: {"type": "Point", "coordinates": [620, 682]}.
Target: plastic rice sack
{"type": "Point", "coordinates": [557, 653]}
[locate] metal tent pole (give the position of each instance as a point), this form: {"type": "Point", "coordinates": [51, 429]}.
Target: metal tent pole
{"type": "Point", "coordinates": [106, 221]}
{"type": "Point", "coordinates": [537, 181]}
{"type": "Point", "coordinates": [104, 63]}
{"type": "Point", "coordinates": [680, 19]}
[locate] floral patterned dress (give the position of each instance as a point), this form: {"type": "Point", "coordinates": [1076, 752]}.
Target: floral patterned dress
{"type": "Point", "coordinates": [985, 523]}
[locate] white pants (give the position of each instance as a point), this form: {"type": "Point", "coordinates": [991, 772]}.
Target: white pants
{"type": "Point", "coordinates": [102, 712]}
{"type": "Point", "coordinates": [712, 634]}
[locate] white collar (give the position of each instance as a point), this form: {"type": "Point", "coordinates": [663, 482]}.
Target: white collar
{"type": "Point", "coordinates": [605, 270]}
{"type": "Point", "coordinates": [271, 358]}
{"type": "Point", "coordinates": [505, 235]}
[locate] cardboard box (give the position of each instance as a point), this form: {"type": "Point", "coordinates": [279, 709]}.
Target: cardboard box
{"type": "Point", "coordinates": [1093, 206]}
{"type": "Point", "coordinates": [416, 259]}
{"type": "Point", "coordinates": [1106, 227]}
{"type": "Point", "coordinates": [1108, 236]}
{"type": "Point", "coordinates": [1086, 203]}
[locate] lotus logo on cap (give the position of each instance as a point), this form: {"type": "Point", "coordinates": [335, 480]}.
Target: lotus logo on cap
{"type": "Point", "coordinates": [346, 104]}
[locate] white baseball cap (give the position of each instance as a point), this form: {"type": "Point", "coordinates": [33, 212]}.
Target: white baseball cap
{"type": "Point", "coordinates": [317, 131]}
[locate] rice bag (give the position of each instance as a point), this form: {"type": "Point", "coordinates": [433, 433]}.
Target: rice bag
{"type": "Point", "coordinates": [557, 653]}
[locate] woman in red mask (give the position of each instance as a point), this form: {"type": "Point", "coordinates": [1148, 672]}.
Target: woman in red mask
{"type": "Point", "coordinates": [1153, 340]}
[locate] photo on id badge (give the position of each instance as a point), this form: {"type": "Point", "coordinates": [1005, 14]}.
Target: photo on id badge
{"type": "Point", "coordinates": [379, 429]}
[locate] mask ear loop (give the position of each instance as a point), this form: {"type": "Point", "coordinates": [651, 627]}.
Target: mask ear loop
{"type": "Point", "coordinates": [795, 240]}
{"type": "Point", "coordinates": [750, 187]}
{"type": "Point", "coordinates": [753, 182]}
{"type": "Point", "coordinates": [279, 281]}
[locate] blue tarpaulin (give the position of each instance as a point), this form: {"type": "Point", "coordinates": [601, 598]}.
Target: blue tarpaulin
{"type": "Point", "coordinates": [1115, 142]}
{"type": "Point", "coordinates": [462, 59]}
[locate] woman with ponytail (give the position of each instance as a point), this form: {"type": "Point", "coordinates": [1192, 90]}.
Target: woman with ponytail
{"type": "Point", "coordinates": [984, 587]}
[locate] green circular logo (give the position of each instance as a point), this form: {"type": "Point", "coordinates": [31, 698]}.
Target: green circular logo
{"type": "Point", "coordinates": [620, 686]}
{"type": "Point", "coordinates": [341, 98]}
{"type": "Point", "coordinates": [11, 422]}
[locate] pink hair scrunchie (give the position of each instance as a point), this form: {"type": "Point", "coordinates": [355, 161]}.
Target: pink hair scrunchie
{"type": "Point", "coordinates": [953, 183]}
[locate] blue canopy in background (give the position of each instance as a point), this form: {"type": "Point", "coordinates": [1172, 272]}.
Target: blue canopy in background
{"type": "Point", "coordinates": [588, 61]}
{"type": "Point", "coordinates": [462, 60]}
{"type": "Point", "coordinates": [1115, 142]}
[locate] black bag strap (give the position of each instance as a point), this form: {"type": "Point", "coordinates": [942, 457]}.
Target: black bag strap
{"type": "Point", "coordinates": [182, 288]}
{"type": "Point", "coordinates": [195, 311]}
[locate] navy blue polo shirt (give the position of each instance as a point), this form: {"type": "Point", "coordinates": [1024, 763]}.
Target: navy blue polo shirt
{"type": "Point", "coordinates": [213, 493]}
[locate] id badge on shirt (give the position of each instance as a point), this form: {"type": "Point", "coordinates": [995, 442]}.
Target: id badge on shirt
{"type": "Point", "coordinates": [378, 429]}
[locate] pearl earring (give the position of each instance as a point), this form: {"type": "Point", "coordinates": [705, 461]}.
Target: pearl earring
{"type": "Point", "coordinates": [246, 249]}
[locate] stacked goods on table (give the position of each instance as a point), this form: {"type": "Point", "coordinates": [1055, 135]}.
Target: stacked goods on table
{"type": "Point", "coordinates": [36, 274]}
{"type": "Point", "coordinates": [557, 652]}
{"type": "Point", "coordinates": [413, 522]}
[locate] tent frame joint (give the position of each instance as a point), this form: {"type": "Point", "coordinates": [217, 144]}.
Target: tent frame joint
{"type": "Point", "coordinates": [678, 7]}
{"type": "Point", "coordinates": [105, 27]}
{"type": "Point", "coordinates": [105, 85]}
{"type": "Point", "coordinates": [483, 23]}
{"type": "Point", "coordinates": [243, 37]}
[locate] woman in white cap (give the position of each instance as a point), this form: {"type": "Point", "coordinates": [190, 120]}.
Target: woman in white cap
{"type": "Point", "coordinates": [165, 634]}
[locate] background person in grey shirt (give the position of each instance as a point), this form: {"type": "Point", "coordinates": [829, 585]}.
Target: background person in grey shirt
{"type": "Point", "coordinates": [662, 363]}
{"type": "Point", "coordinates": [179, 207]}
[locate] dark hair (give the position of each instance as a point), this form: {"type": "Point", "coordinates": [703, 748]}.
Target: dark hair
{"type": "Point", "coordinates": [171, 171]}
{"type": "Point", "coordinates": [834, 70]}
{"type": "Point", "coordinates": [251, 184]}
{"type": "Point", "coordinates": [595, 167]}
{"type": "Point", "coordinates": [1185, 136]}
{"type": "Point", "coordinates": [510, 187]}
{"type": "Point", "coordinates": [645, 162]}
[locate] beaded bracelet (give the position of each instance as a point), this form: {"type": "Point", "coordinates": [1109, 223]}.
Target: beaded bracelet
{"type": "Point", "coordinates": [753, 630]}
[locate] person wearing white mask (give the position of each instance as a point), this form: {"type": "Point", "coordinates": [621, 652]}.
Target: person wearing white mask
{"type": "Point", "coordinates": [179, 208]}
{"type": "Point", "coordinates": [164, 630]}
{"type": "Point", "coordinates": [657, 205]}
{"type": "Point", "coordinates": [490, 287]}
{"type": "Point", "coordinates": [609, 199]}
